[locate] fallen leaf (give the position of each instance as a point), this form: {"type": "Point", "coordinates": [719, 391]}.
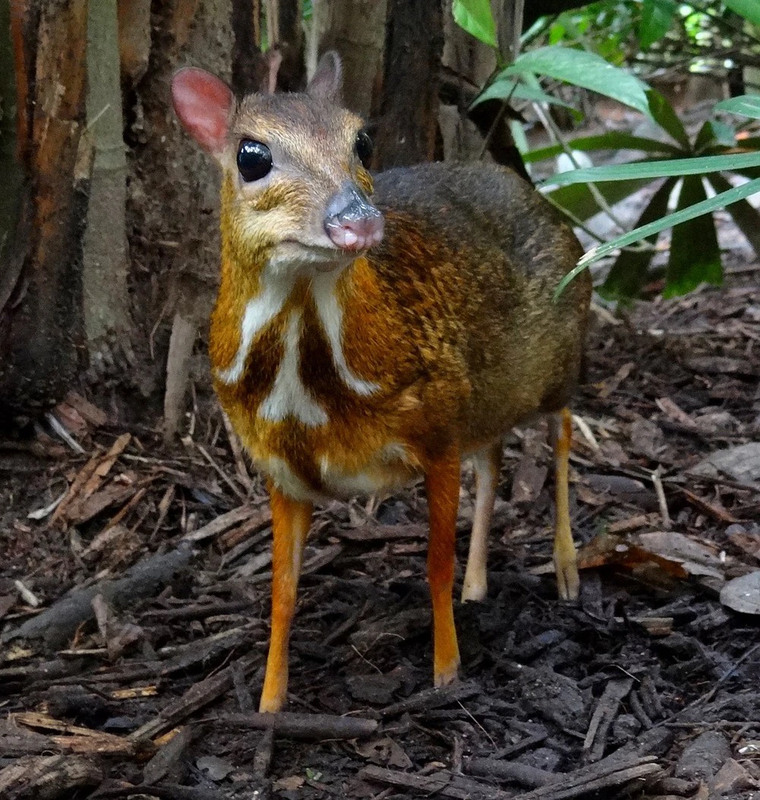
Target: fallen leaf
{"type": "Point", "coordinates": [7, 601]}
{"type": "Point", "coordinates": [742, 463]}
{"type": "Point", "coordinates": [289, 783]}
{"type": "Point", "coordinates": [739, 537]}
{"type": "Point", "coordinates": [675, 412]}
{"type": "Point", "coordinates": [742, 594]}
{"type": "Point", "coordinates": [622, 488]}
{"type": "Point", "coordinates": [216, 768]}
{"type": "Point", "coordinates": [608, 387]}
{"type": "Point", "coordinates": [647, 439]}
{"type": "Point", "coordinates": [385, 752]}
{"type": "Point", "coordinates": [713, 508]}
{"type": "Point", "coordinates": [720, 365]}
{"type": "Point", "coordinates": [91, 413]}
{"type": "Point", "coordinates": [71, 419]}
{"type": "Point", "coordinates": [609, 550]}
{"type": "Point", "coordinates": [528, 481]}
{"type": "Point", "coordinates": [695, 558]}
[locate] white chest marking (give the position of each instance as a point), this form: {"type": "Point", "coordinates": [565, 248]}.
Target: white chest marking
{"type": "Point", "coordinates": [259, 312]}
{"type": "Point", "coordinates": [331, 318]}
{"type": "Point", "coordinates": [289, 397]}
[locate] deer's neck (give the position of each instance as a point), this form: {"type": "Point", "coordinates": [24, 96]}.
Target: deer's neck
{"type": "Point", "coordinates": [270, 323]}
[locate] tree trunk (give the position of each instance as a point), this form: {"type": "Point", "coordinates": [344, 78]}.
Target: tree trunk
{"type": "Point", "coordinates": [106, 297]}
{"type": "Point", "coordinates": [289, 40]}
{"type": "Point", "coordinates": [11, 201]}
{"type": "Point", "coordinates": [409, 107]}
{"type": "Point", "coordinates": [282, 66]}
{"type": "Point", "coordinates": [134, 39]}
{"type": "Point", "coordinates": [249, 67]}
{"type": "Point", "coordinates": [41, 328]}
{"type": "Point", "coordinates": [473, 132]}
{"type": "Point", "coordinates": [356, 30]}
{"type": "Point", "coordinates": [174, 196]}
{"type": "Point", "coordinates": [468, 64]}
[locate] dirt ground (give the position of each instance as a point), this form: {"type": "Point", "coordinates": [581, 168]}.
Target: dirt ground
{"type": "Point", "coordinates": [134, 613]}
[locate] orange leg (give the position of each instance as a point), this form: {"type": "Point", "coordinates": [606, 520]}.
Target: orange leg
{"type": "Point", "coordinates": [290, 525]}
{"type": "Point", "coordinates": [442, 485]}
{"type": "Point", "coordinates": [565, 559]}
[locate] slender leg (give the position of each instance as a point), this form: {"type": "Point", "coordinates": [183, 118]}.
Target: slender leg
{"type": "Point", "coordinates": [565, 560]}
{"type": "Point", "coordinates": [487, 462]}
{"type": "Point", "coordinates": [442, 485]}
{"type": "Point", "coordinates": [290, 525]}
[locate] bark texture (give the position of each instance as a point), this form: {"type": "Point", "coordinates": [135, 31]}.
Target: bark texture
{"type": "Point", "coordinates": [41, 326]}
{"type": "Point", "coordinates": [249, 67]}
{"type": "Point", "coordinates": [173, 191]}
{"type": "Point", "coordinates": [289, 40]}
{"type": "Point", "coordinates": [409, 106]}
{"type": "Point", "coordinates": [106, 296]}
{"type": "Point", "coordinates": [134, 39]}
{"type": "Point", "coordinates": [356, 30]}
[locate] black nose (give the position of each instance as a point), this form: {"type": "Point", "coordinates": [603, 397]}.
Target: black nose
{"type": "Point", "coordinates": [351, 221]}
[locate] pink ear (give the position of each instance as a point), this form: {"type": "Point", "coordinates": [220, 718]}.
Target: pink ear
{"type": "Point", "coordinates": [203, 103]}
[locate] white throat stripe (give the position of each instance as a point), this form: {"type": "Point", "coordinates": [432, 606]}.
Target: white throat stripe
{"type": "Point", "coordinates": [259, 312]}
{"type": "Point", "coordinates": [331, 318]}
{"type": "Point", "coordinates": [289, 397]}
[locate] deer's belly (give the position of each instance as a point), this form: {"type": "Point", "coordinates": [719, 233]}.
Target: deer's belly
{"type": "Point", "coordinates": [333, 475]}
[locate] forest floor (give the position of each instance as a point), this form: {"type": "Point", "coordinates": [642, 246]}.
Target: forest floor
{"type": "Point", "coordinates": [134, 613]}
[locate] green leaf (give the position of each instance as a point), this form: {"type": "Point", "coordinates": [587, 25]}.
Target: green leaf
{"type": "Point", "coordinates": [584, 69]}
{"type": "Point", "coordinates": [748, 105]}
{"type": "Point", "coordinates": [637, 234]}
{"type": "Point", "coordinates": [629, 273]}
{"type": "Point", "coordinates": [657, 169]}
{"type": "Point", "coordinates": [694, 252]}
{"type": "Point", "coordinates": [613, 140]}
{"type": "Point", "coordinates": [705, 137]}
{"type": "Point", "coordinates": [518, 134]}
{"type": "Point", "coordinates": [749, 9]}
{"type": "Point", "coordinates": [579, 201]}
{"type": "Point", "coordinates": [556, 33]}
{"type": "Point", "coordinates": [502, 90]}
{"type": "Point", "coordinates": [663, 114]}
{"type": "Point", "coordinates": [476, 18]}
{"type": "Point", "coordinates": [747, 218]}
{"type": "Point", "coordinates": [656, 19]}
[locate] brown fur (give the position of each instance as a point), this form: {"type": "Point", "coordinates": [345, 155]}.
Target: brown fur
{"type": "Point", "coordinates": [453, 315]}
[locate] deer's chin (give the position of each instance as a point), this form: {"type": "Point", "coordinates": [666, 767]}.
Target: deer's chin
{"type": "Point", "coordinates": [302, 256]}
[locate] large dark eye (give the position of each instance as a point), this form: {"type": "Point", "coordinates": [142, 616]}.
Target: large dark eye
{"type": "Point", "coordinates": [254, 160]}
{"type": "Point", "coordinates": [364, 147]}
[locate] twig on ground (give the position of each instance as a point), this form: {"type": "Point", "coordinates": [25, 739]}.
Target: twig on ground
{"type": "Point", "coordinates": [664, 513]}
{"type": "Point", "coordinates": [604, 715]}
{"type": "Point", "coordinates": [432, 698]}
{"type": "Point", "coordinates": [312, 727]}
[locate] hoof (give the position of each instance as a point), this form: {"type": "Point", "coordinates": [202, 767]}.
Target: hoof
{"type": "Point", "coordinates": [271, 705]}
{"type": "Point", "coordinates": [568, 580]}
{"type": "Point", "coordinates": [443, 677]}
{"type": "Point", "coordinates": [475, 592]}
